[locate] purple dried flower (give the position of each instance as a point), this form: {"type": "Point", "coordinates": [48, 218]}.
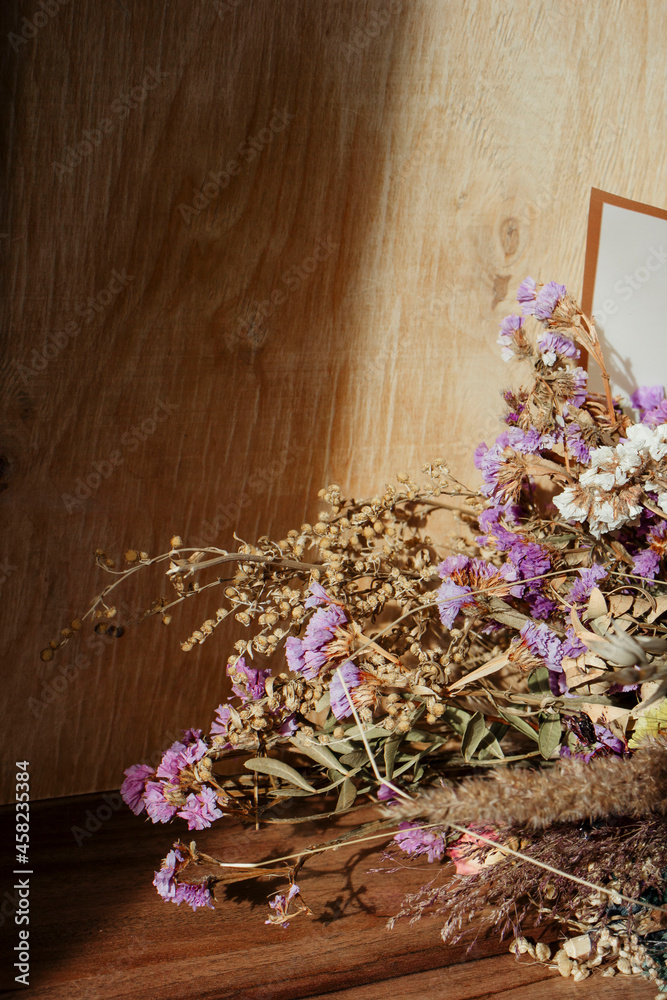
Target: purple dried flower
{"type": "Point", "coordinates": [576, 446]}
{"type": "Point", "coordinates": [250, 681]}
{"type": "Point", "coordinates": [320, 631]}
{"type": "Point", "coordinates": [579, 379]}
{"type": "Point", "coordinates": [294, 654]}
{"type": "Point", "coordinates": [181, 755]}
{"type": "Point", "coordinates": [451, 598]}
{"type": "Point", "coordinates": [507, 335]}
{"type": "Point", "coordinates": [453, 564]}
{"type": "Point", "coordinates": [194, 895]}
{"type": "Point", "coordinates": [157, 806]}
{"type": "Point", "coordinates": [134, 786]}
{"type": "Point", "coordinates": [221, 723]}
{"type": "Point", "coordinates": [572, 645]}
{"type": "Point", "coordinates": [510, 325]}
{"type": "Point", "coordinates": [547, 299]}
{"type": "Point", "coordinates": [280, 903]}
{"type": "Point", "coordinates": [646, 564]}
{"type": "Point", "coordinates": [318, 595]}
{"type": "Point", "coordinates": [414, 840]}
{"type": "Point", "coordinates": [164, 880]}
{"type": "Point", "coordinates": [541, 641]}
{"type": "Point", "coordinates": [461, 575]}
{"type": "Point", "coordinates": [554, 346]}
{"type": "Point", "coordinates": [651, 403]}
{"type": "Point", "coordinates": [201, 810]}
{"type": "Point", "coordinates": [175, 892]}
{"type": "Point", "coordinates": [526, 296]}
{"type": "Point", "coordinates": [479, 453]}
{"type": "Point", "coordinates": [589, 578]}
{"type": "Point", "coordinates": [657, 416]}
{"type": "Point", "coordinates": [288, 727]}
{"type": "Point", "coordinates": [489, 521]}
{"type": "Point", "coordinates": [540, 606]}
{"type": "Point", "coordinates": [647, 397]}
{"type": "Point", "coordinates": [529, 558]}
{"type": "Point", "coordinates": [605, 744]}
{"type": "Point", "coordinates": [171, 763]}
{"type": "Point", "coordinates": [525, 442]}
{"type": "Point", "coordinates": [307, 656]}
{"type": "Point", "coordinates": [340, 705]}
{"type": "Point", "coordinates": [386, 794]}
{"type": "Point", "coordinates": [558, 683]}
{"type": "Point", "coordinates": [490, 462]}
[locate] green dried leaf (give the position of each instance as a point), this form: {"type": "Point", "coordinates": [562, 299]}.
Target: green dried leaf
{"type": "Point", "coordinates": [519, 724]}
{"type": "Point", "coordinates": [355, 759]}
{"type": "Point", "coordinates": [490, 745]}
{"type": "Point", "coordinates": [279, 769]}
{"type": "Point", "coordinates": [320, 753]}
{"type": "Point", "coordinates": [550, 732]}
{"type": "Point", "coordinates": [421, 735]}
{"type": "Point", "coordinates": [390, 748]}
{"type": "Point", "coordinates": [374, 733]}
{"type": "Point", "coordinates": [346, 795]}
{"type": "Point", "coordinates": [324, 701]}
{"type": "Point", "coordinates": [560, 541]}
{"type": "Point", "coordinates": [456, 718]}
{"type": "Point", "coordinates": [474, 734]}
{"type": "Point", "coordinates": [538, 681]}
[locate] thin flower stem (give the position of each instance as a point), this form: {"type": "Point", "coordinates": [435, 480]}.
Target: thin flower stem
{"type": "Point", "coordinates": [249, 557]}
{"type": "Point", "coordinates": [308, 850]}
{"type": "Point", "coordinates": [596, 351]}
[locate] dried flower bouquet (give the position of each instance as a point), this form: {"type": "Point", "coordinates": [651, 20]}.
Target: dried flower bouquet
{"type": "Point", "coordinates": [532, 656]}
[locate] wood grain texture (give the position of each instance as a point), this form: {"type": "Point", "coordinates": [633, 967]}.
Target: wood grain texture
{"type": "Point", "coordinates": [436, 152]}
{"type": "Point", "coordinates": [98, 928]}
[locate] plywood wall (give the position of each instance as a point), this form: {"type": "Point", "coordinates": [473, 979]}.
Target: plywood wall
{"type": "Point", "coordinates": [251, 247]}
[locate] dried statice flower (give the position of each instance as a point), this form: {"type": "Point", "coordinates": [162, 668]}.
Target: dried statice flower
{"type": "Point", "coordinates": [340, 704]}
{"type": "Point", "coordinates": [280, 904]}
{"type": "Point", "coordinates": [555, 347]}
{"type": "Point", "coordinates": [201, 810]}
{"type": "Point", "coordinates": [416, 841]}
{"type": "Point", "coordinates": [173, 891]}
{"type": "Point", "coordinates": [134, 786]}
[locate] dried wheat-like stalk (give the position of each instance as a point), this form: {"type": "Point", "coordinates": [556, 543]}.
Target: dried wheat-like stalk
{"type": "Point", "coordinates": [572, 790]}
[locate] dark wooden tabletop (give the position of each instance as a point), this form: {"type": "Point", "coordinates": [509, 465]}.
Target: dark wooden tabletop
{"type": "Point", "coordinates": [99, 930]}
